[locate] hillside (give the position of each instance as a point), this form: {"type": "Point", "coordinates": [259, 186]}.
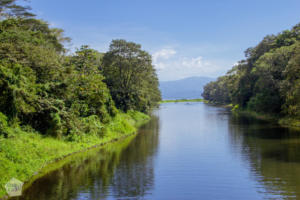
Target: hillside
{"type": "Point", "coordinates": [188, 88]}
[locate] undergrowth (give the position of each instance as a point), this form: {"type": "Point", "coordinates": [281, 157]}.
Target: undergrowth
{"type": "Point", "coordinates": [24, 152]}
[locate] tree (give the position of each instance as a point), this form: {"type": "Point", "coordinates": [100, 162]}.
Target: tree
{"type": "Point", "coordinates": [130, 76]}
{"type": "Point", "coordinates": [89, 95]}
{"type": "Point", "coordinates": [267, 81]}
{"type": "Point", "coordinates": [9, 8]}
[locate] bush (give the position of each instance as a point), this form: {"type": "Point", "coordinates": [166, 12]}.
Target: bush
{"type": "Point", "coordinates": [5, 130]}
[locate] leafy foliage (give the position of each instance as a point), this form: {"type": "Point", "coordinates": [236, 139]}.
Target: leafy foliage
{"type": "Point", "coordinates": [61, 94]}
{"type": "Point", "coordinates": [130, 76]}
{"type": "Point", "coordinates": [268, 81]}
{"type": "Point", "coordinates": [44, 90]}
{"type": "Point", "coordinates": [9, 8]}
{"type": "Point", "coordinates": [26, 153]}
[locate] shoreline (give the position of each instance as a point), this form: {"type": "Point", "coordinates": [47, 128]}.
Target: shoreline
{"type": "Point", "coordinates": [182, 100]}
{"type": "Point", "coordinates": [82, 148]}
{"type": "Point", "coordinates": [287, 122]}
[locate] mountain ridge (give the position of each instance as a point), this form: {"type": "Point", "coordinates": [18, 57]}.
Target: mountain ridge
{"type": "Point", "coordinates": [186, 88]}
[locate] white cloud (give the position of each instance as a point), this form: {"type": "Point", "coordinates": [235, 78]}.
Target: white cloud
{"type": "Point", "coordinates": [197, 62]}
{"type": "Point", "coordinates": [170, 67]}
{"type": "Point", "coordinates": [163, 54]}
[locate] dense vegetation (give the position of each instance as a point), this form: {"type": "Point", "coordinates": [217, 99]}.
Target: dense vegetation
{"type": "Point", "coordinates": [130, 76]}
{"type": "Point", "coordinates": [267, 81]}
{"type": "Point", "coordinates": [65, 94]}
{"type": "Point", "coordinates": [46, 92]}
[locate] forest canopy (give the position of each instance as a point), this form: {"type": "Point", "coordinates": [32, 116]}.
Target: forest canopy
{"type": "Point", "coordinates": [267, 81]}
{"type": "Point", "coordinates": [59, 93]}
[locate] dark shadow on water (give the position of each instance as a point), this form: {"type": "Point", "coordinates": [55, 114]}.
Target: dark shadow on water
{"type": "Point", "coordinates": [194, 145]}
{"type": "Point", "coordinates": [273, 153]}
{"type": "Point", "coordinates": [122, 169]}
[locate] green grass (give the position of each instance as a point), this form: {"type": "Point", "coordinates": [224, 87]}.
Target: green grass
{"type": "Point", "coordinates": [26, 154]}
{"type": "Point", "coordinates": [182, 100]}
{"type": "Point", "coordinates": [290, 122]}
{"type": "Point", "coordinates": [256, 115]}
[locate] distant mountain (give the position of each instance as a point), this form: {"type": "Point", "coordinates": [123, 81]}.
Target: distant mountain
{"type": "Point", "coordinates": [188, 88]}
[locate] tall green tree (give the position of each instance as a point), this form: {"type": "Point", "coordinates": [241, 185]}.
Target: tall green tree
{"type": "Point", "coordinates": [62, 94]}
{"type": "Point", "coordinates": [89, 95]}
{"type": "Point", "coordinates": [9, 8]}
{"type": "Point", "coordinates": [130, 76]}
{"type": "Point", "coordinates": [267, 81]}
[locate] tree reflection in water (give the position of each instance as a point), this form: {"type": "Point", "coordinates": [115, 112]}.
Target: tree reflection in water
{"type": "Point", "coordinates": [272, 152]}
{"type": "Point", "coordinates": [122, 169]}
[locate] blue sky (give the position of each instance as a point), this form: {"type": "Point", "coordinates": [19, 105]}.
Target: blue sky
{"type": "Point", "coordinates": [185, 38]}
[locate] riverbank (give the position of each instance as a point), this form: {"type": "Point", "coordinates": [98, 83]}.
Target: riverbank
{"type": "Point", "coordinates": [273, 118]}
{"type": "Point", "coordinates": [24, 156]}
{"type": "Point", "coordinates": [183, 100]}
{"type": "Point", "coordinates": [288, 122]}
{"type": "Point", "coordinates": [259, 116]}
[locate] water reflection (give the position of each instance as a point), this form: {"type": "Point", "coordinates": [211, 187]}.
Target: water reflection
{"type": "Point", "coordinates": [187, 151]}
{"type": "Point", "coordinates": [123, 169]}
{"type": "Point", "coordinates": [272, 152]}
{"type": "Point", "coordinates": [135, 176]}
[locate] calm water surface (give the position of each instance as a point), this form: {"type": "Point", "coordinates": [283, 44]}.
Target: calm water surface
{"type": "Point", "coordinates": [187, 151]}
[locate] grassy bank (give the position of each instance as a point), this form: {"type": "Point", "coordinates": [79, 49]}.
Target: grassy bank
{"type": "Point", "coordinates": [24, 156]}
{"type": "Point", "coordinates": [182, 100]}
{"type": "Point", "coordinates": [277, 119]}
{"type": "Point", "coordinates": [289, 122]}
{"type": "Point", "coordinates": [235, 109]}
{"type": "Point", "coordinates": [259, 116]}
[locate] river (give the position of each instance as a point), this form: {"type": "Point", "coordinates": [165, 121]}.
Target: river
{"type": "Point", "coordinates": [187, 151]}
